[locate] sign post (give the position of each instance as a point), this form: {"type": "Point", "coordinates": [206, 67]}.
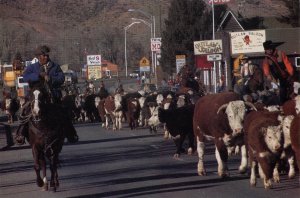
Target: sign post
{"type": "Point", "coordinates": [155, 47]}
{"type": "Point", "coordinates": [180, 62]}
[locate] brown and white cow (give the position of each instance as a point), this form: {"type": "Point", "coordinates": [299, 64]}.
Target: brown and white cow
{"type": "Point", "coordinates": [264, 137]}
{"type": "Point", "coordinates": [10, 106]}
{"type": "Point", "coordinates": [295, 137]}
{"type": "Point", "coordinates": [133, 112]}
{"type": "Point", "coordinates": [288, 153]}
{"type": "Point", "coordinates": [225, 128]}
{"type": "Point", "coordinates": [113, 110]}
{"type": "Point", "coordinates": [292, 107]}
{"type": "Point", "coordinates": [99, 103]}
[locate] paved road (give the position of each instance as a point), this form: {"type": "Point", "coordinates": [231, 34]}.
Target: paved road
{"type": "Point", "coordinates": [130, 164]}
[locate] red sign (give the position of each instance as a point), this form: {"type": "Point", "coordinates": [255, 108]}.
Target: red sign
{"type": "Point", "coordinates": [218, 2]}
{"type": "Point", "coordinates": [202, 63]}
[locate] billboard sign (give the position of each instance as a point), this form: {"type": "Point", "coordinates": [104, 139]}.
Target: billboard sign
{"type": "Point", "coordinates": [208, 47]}
{"type": "Point", "coordinates": [93, 60]}
{"type": "Point", "coordinates": [94, 72]}
{"type": "Point", "coordinates": [247, 41]}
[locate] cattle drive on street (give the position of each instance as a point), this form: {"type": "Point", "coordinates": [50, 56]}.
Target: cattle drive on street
{"type": "Point", "coordinates": [253, 122]}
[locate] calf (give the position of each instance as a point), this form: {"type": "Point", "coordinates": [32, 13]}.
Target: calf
{"type": "Point", "coordinates": [264, 137]}
{"type": "Point", "coordinates": [133, 112]}
{"type": "Point", "coordinates": [179, 122]}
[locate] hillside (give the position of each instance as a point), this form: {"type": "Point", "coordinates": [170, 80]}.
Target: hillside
{"type": "Point", "coordinates": [74, 28]}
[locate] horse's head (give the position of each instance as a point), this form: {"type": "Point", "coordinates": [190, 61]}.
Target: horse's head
{"type": "Point", "coordinates": [39, 100]}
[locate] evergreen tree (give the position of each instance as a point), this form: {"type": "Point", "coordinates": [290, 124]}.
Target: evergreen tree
{"type": "Point", "coordinates": [188, 21]}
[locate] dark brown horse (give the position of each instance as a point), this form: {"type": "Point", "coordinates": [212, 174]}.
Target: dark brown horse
{"type": "Point", "coordinates": [47, 129]}
{"type": "Point", "coordinates": [256, 81]}
{"type": "Point", "coordinates": [253, 84]}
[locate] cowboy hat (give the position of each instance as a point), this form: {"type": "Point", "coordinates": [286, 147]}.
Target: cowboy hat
{"type": "Point", "coordinates": [42, 50]}
{"type": "Point", "coordinates": [271, 45]}
{"type": "Point", "coordinates": [245, 58]}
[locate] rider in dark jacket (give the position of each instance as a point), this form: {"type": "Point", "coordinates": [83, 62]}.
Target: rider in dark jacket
{"type": "Point", "coordinates": [47, 70]}
{"type": "Point", "coordinates": [42, 71]}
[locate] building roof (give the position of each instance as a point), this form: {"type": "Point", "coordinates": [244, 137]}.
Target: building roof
{"type": "Point", "coordinates": [109, 65]}
{"type": "Point", "coordinates": [230, 23]}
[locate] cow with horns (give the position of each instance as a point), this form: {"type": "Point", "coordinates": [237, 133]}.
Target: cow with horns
{"type": "Point", "coordinates": [219, 117]}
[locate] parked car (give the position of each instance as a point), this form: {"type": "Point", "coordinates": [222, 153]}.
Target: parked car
{"type": "Point", "coordinates": [71, 77]}
{"type": "Point", "coordinates": [134, 74]}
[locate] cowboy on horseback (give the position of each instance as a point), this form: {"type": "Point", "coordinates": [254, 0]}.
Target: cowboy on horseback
{"type": "Point", "coordinates": [276, 65]}
{"type": "Point", "coordinates": [44, 71]}
{"type": "Point", "coordinates": [246, 69]}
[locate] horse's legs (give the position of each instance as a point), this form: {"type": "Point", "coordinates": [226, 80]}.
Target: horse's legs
{"type": "Point", "coordinates": [37, 168]}
{"type": "Point", "coordinates": [54, 176]}
{"type": "Point", "coordinates": [43, 164]}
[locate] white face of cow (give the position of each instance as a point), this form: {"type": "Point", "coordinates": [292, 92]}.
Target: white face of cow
{"type": "Point", "coordinates": [236, 112]}
{"type": "Point", "coordinates": [272, 136]}
{"type": "Point", "coordinates": [286, 125]}
{"type": "Point", "coordinates": [142, 101]}
{"type": "Point", "coordinates": [79, 100]}
{"type": "Point", "coordinates": [159, 99]}
{"type": "Point", "coordinates": [296, 87]}
{"type": "Point", "coordinates": [7, 103]}
{"type": "Point", "coordinates": [181, 101]}
{"type": "Point", "coordinates": [273, 108]}
{"type": "Point", "coordinates": [297, 106]}
{"type": "Point", "coordinates": [117, 100]}
{"type": "Point", "coordinates": [153, 120]}
{"type": "Point", "coordinates": [36, 108]}
{"type": "Point", "coordinates": [22, 101]}
{"type": "Point", "coordinates": [97, 101]}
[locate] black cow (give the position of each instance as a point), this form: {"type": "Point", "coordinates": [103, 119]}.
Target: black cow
{"type": "Point", "coordinates": [179, 122]}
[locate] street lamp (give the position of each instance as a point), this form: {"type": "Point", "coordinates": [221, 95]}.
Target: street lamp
{"type": "Point", "coordinates": [145, 22]}
{"type": "Point", "coordinates": [151, 17]}
{"type": "Point", "coordinates": [125, 40]}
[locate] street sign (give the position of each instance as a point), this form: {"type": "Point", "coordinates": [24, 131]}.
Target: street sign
{"type": "Point", "coordinates": [93, 60]}
{"type": "Point", "coordinates": [155, 44]}
{"type": "Point", "coordinates": [144, 65]}
{"type": "Point", "coordinates": [180, 62]}
{"type": "Point", "coordinates": [144, 62]}
{"type": "Point", "coordinates": [214, 57]}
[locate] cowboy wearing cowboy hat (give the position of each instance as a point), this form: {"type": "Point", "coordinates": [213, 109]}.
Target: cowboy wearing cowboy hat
{"type": "Point", "coordinates": [276, 65]}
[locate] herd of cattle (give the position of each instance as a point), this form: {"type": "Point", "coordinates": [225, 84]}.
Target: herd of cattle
{"type": "Point", "coordinates": [268, 137]}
